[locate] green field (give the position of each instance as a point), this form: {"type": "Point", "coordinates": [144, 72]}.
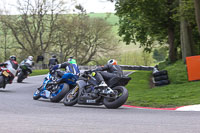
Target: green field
{"type": "Point", "coordinates": [110, 17]}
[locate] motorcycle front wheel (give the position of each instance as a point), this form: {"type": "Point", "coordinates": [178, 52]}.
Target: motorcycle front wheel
{"type": "Point", "coordinates": [71, 98]}
{"type": "Point", "coordinates": [36, 95]}
{"type": "Point", "coordinates": [60, 93]}
{"type": "Point", "coordinates": [121, 95]}
{"type": "Point", "coordinates": [1, 81]}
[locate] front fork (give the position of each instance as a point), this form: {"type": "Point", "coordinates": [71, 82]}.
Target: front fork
{"type": "Point", "coordinates": [76, 88]}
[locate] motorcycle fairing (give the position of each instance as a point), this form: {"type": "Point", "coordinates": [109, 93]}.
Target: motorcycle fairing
{"type": "Point", "coordinates": [69, 78]}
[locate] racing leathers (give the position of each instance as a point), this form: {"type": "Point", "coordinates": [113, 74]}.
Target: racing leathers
{"type": "Point", "coordinates": [11, 66]}
{"type": "Point", "coordinates": [70, 67]}
{"type": "Point", "coordinates": [107, 72]}
{"type": "Point", "coordinates": [28, 63]}
{"type": "Point", "coordinates": [52, 62]}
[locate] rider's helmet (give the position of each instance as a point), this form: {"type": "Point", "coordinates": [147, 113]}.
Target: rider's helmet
{"type": "Point", "coordinates": [112, 62]}
{"type": "Point", "coordinates": [12, 58]}
{"type": "Point", "coordinates": [70, 59]}
{"type": "Point", "coordinates": [53, 56]}
{"type": "Point", "coordinates": [30, 58]}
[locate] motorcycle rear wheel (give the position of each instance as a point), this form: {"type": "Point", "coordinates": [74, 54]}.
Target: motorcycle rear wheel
{"type": "Point", "coordinates": [20, 77]}
{"type": "Point", "coordinates": [122, 96]}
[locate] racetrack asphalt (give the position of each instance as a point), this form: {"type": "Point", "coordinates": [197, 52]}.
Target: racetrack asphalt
{"type": "Point", "coordinates": [19, 113]}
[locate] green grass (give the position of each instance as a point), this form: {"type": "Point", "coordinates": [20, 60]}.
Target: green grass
{"type": "Point", "coordinates": [179, 93]}
{"type": "Point", "coordinates": [39, 72]}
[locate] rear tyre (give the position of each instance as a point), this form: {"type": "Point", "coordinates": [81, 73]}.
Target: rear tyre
{"type": "Point", "coordinates": [159, 73]}
{"type": "Point", "coordinates": [70, 99]}
{"type": "Point", "coordinates": [122, 96]}
{"type": "Point", "coordinates": [58, 95]}
{"type": "Point", "coordinates": [162, 77]}
{"type": "Point", "coordinates": [20, 77]}
{"type": "Point", "coordinates": [162, 82]}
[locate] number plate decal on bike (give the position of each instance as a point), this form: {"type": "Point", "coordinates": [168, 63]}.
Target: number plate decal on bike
{"type": "Point", "coordinates": [91, 101]}
{"type": "Point", "coordinates": [5, 73]}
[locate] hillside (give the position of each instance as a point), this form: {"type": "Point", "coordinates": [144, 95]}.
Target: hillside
{"type": "Point", "coordinates": [110, 17]}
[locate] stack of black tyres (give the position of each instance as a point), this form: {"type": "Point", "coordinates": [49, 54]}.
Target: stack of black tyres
{"type": "Point", "coordinates": [161, 78]}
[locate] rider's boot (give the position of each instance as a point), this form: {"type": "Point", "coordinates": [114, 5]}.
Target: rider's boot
{"type": "Point", "coordinates": [105, 88]}
{"type": "Point", "coordinates": [103, 84]}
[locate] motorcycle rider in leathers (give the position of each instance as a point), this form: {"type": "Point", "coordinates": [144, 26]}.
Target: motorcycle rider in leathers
{"type": "Point", "coordinates": [29, 62]}
{"type": "Point", "coordinates": [11, 65]}
{"type": "Point", "coordinates": [53, 61]}
{"type": "Point", "coordinates": [70, 67]}
{"type": "Point", "coordinates": [108, 71]}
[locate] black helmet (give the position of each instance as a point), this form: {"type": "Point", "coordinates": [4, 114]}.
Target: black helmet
{"type": "Point", "coordinates": [13, 58]}
{"type": "Point", "coordinates": [53, 56]}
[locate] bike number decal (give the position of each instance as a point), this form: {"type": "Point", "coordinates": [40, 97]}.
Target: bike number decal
{"type": "Point", "coordinates": [5, 73]}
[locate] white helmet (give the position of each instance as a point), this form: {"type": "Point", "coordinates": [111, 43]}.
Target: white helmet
{"type": "Point", "coordinates": [30, 58]}
{"type": "Point", "coordinates": [112, 61]}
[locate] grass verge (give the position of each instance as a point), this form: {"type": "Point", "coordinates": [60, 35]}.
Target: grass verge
{"type": "Point", "coordinates": [39, 72]}
{"type": "Point", "coordinates": [179, 93]}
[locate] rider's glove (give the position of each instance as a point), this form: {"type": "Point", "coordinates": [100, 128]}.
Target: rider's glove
{"type": "Point", "coordinates": [88, 72]}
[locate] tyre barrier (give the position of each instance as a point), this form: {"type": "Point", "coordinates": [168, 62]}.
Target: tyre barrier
{"type": "Point", "coordinates": [160, 73]}
{"type": "Point", "coordinates": [162, 82]}
{"type": "Point", "coordinates": [160, 77]}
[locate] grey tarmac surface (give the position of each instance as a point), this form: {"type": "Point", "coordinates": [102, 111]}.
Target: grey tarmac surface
{"type": "Point", "coordinates": [19, 113]}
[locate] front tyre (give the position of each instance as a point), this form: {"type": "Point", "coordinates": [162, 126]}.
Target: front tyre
{"type": "Point", "coordinates": [71, 98]}
{"type": "Point", "coordinates": [36, 95]}
{"type": "Point", "coordinates": [121, 97]}
{"type": "Point", "coordinates": [60, 93]}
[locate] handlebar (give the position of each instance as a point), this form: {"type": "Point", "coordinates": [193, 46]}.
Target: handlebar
{"type": "Point", "coordinates": [89, 71]}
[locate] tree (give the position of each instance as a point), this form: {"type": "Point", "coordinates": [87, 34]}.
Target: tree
{"type": "Point", "coordinates": [147, 21]}
{"type": "Point", "coordinates": [34, 28]}
{"type": "Point", "coordinates": [5, 39]}
{"type": "Point", "coordinates": [197, 13]}
{"type": "Point", "coordinates": [85, 38]}
{"type": "Point", "coordinates": [160, 54]}
{"type": "Point", "coordinates": [185, 36]}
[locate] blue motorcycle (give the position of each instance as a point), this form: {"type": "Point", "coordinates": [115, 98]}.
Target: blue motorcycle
{"type": "Point", "coordinates": [55, 86]}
